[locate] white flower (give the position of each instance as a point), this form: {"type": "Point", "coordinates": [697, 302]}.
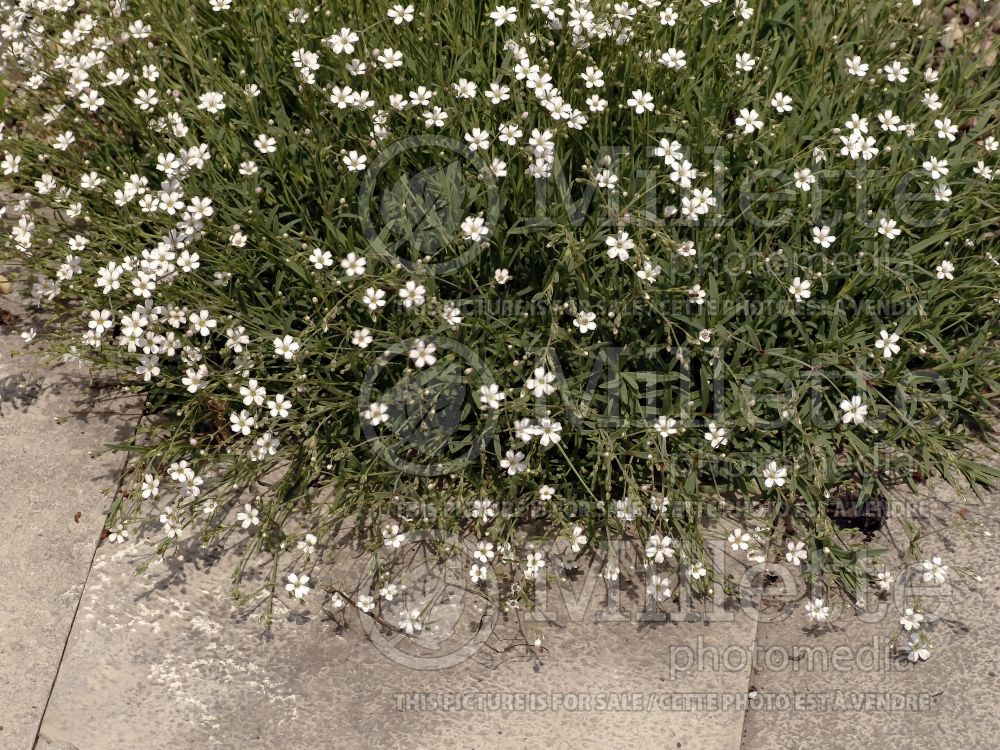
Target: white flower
{"type": "Point", "coordinates": [118, 534]}
{"type": "Point", "coordinates": [666, 426]}
{"type": "Point", "coordinates": [641, 102]}
{"type": "Point", "coordinates": [673, 58]}
{"type": "Point", "coordinates": [745, 62]}
{"type": "Point", "coordinates": [799, 289]}
{"type": "Point", "coordinates": [619, 246]}
{"type": "Point", "coordinates": [796, 553]}
{"type": "Point", "coordinates": [917, 649]}
{"type": "Point", "coordinates": [321, 259]}
{"type": "Point", "coordinates": [936, 168]}
{"type": "Point", "coordinates": [212, 102]}
{"type": "Point", "coordinates": [593, 78]}
{"type": "Point", "coordinates": [353, 264]}
{"type": "Point", "coordinates": [946, 130]}
{"type": "Point", "coordinates": [355, 162]}
{"type": "Point", "coordinates": [265, 144]}
{"type": "Point", "coordinates": [533, 564]}
{"type": "Point", "coordinates": [412, 294]}
{"type": "Point", "coordinates": [478, 573]}
{"type": "Point", "coordinates": [716, 435]}
{"type": "Point", "coordinates": [577, 538]}
{"type": "Point", "coordinates": [490, 396]}
{"type": "Point", "coordinates": [896, 72]}
{"type": "Point", "coordinates": [483, 508]}
{"type": "Point", "coordinates": [484, 551]}
{"type": "Point", "coordinates": [308, 544]}
{"type": "Point", "coordinates": [774, 475]}
{"type": "Point", "coordinates": [804, 179]}
{"type": "Point", "coordinates": [658, 548]}
{"type": "Point", "coordinates": [422, 353]}
{"type": "Point", "coordinates": [298, 585]}
{"type": "Point", "coordinates": [817, 611]}
{"type": "Point", "coordinates": [409, 621]}
{"type": "Point", "coordinates": [548, 431]}
{"type": "Point", "coordinates": [888, 228]}
{"type": "Point", "coordinates": [286, 347]}
{"type": "Point", "coordinates": [474, 228]}
{"type": "Point", "coordinates": [249, 516]}
{"type": "Point", "coordinates": [887, 343]}
{"type": "Point", "coordinates": [504, 14]}
{"type": "Point", "coordinates": [781, 102]}
{"type": "Point", "coordinates": [513, 462]}
{"type": "Point", "coordinates": [373, 298]}
{"type": "Point", "coordinates": [392, 536]}
{"type": "Point", "coordinates": [585, 321]}
{"type": "Point", "coordinates": [749, 120]}
{"type": "Point", "coordinates": [541, 382]}
{"type": "Point", "coordinates": [935, 571]}
{"type": "Point", "coordinates": [822, 237]}
{"type": "Point", "coordinates": [739, 540]}
{"type": "Point", "coordinates": [477, 140]}
{"type": "Point", "coordinates": [658, 587]}
{"type": "Point", "coordinates": [376, 413]}
{"type": "Point", "coordinates": [945, 270]}
{"type": "Point", "coordinates": [857, 68]}
{"type": "Point", "coordinates": [362, 338]}
{"type": "Point", "coordinates": [400, 15]}
{"type": "Point", "coordinates": [854, 410]}
{"type": "Point", "coordinates": [241, 423]}
{"type": "Point", "coordinates": [911, 619]}
{"type": "Point", "coordinates": [884, 580]}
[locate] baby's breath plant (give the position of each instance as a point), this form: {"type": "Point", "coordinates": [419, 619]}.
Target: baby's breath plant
{"type": "Point", "coordinates": [568, 270]}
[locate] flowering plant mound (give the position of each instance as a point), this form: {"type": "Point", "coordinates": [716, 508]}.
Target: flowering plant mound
{"type": "Point", "coordinates": [570, 270]}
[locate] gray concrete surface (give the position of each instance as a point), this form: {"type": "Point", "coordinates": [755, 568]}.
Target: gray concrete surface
{"type": "Point", "coordinates": [53, 494]}
{"type": "Point", "coordinates": [854, 693]}
{"type": "Point", "coordinates": [159, 661]}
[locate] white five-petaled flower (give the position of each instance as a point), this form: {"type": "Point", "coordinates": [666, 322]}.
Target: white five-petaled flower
{"type": "Point", "coordinates": [800, 288]}
{"type": "Point", "coordinates": [540, 383]}
{"type": "Point", "coordinates": [911, 619]}
{"type": "Point", "coordinates": [822, 237]}
{"type": "Point", "coordinates": [716, 435]}
{"type": "Point", "coordinates": [854, 410]}
{"type": "Point", "coordinates": [297, 585]}
{"type": "Point", "coordinates": [249, 516]}
{"type": "Point", "coordinates": [817, 611]}
{"type": "Point", "coordinates": [796, 553]}
{"type": "Point", "coordinates": [474, 228]}
{"type": "Point", "coordinates": [286, 346]}
{"type": "Point", "coordinates": [658, 587]}
{"type": "Point", "coordinates": [376, 413]}
{"type": "Point", "coordinates": [934, 570]}
{"type": "Point", "coordinates": [887, 343]}
{"type": "Point", "coordinates": [739, 540]}
{"type": "Point", "coordinates": [504, 14]}
{"type": "Point", "coordinates": [774, 475]}
{"type": "Point", "coordinates": [782, 103]}
{"type": "Point", "coordinates": [749, 120]}
{"type": "Point", "coordinates": [355, 162]}
{"type": "Point", "coordinates": [490, 396]}
{"type": "Point", "coordinates": [422, 353]}
{"type": "Point", "coordinates": [641, 102]}
{"type": "Point", "coordinates": [658, 548]}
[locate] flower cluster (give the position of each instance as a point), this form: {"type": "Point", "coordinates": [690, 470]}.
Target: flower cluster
{"type": "Point", "coordinates": [621, 268]}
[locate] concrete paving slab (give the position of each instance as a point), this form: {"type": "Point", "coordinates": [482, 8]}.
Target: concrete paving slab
{"type": "Point", "coordinates": [53, 494]}
{"type": "Point", "coordinates": [161, 661]}
{"type": "Point", "coordinates": [844, 689]}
